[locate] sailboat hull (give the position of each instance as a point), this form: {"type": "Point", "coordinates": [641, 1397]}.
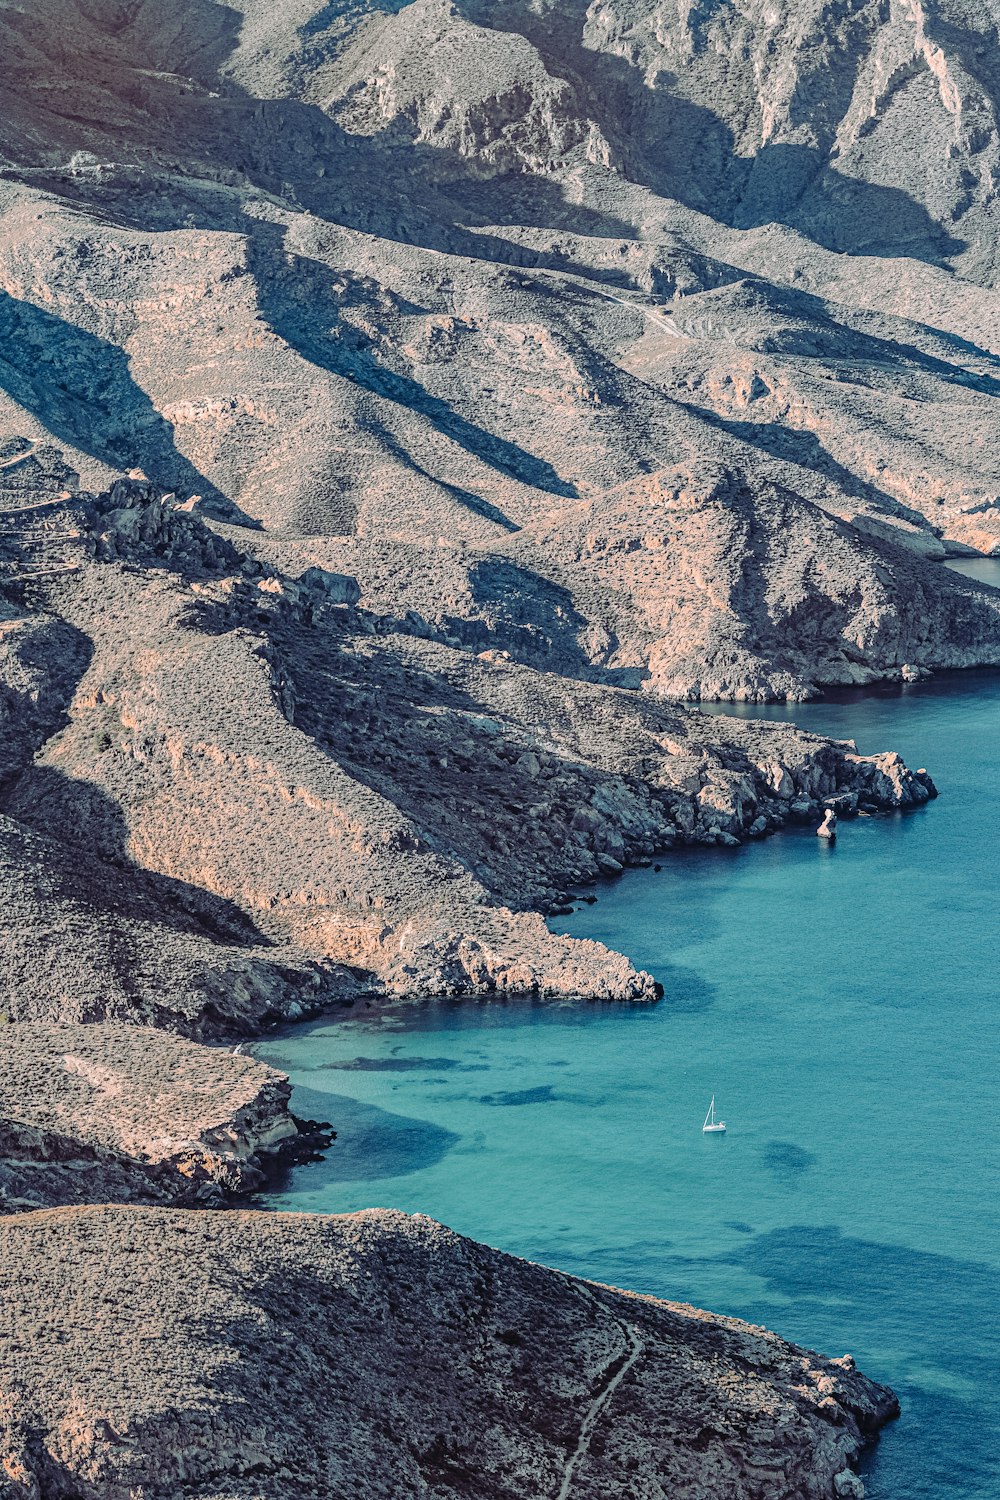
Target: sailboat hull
{"type": "Point", "coordinates": [719, 1129]}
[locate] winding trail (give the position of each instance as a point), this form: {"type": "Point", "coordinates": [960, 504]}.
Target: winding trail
{"type": "Point", "coordinates": [649, 313]}
{"type": "Point", "coordinates": [18, 458]}
{"type": "Point", "coordinates": [600, 1402]}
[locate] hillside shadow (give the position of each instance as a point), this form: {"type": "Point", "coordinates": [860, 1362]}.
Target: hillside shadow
{"type": "Point", "coordinates": [80, 388]}
{"type": "Point", "coordinates": [528, 613]}
{"type": "Point", "coordinates": [315, 328]}
{"type": "Point", "coordinates": [827, 338]}
{"type": "Point", "coordinates": [465, 498]}
{"type": "Point", "coordinates": [797, 446]}
{"type": "Point", "coordinates": [685, 151]}
{"type": "Point", "coordinates": [371, 1143]}
{"type": "Point", "coordinates": [30, 718]}
{"type": "Point", "coordinates": [95, 868]}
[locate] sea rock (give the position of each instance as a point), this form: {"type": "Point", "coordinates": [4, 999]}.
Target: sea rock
{"type": "Point", "coordinates": [848, 1486]}
{"type": "Point", "coordinates": [828, 828]}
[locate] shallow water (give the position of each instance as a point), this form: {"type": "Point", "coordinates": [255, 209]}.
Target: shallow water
{"type": "Point", "coordinates": [842, 1005]}
{"type": "Point", "coordinates": [982, 569]}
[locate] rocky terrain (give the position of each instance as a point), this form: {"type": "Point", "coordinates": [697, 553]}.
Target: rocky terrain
{"type": "Point", "coordinates": [657, 351]}
{"type": "Point", "coordinates": [131, 1114]}
{"type": "Point", "coordinates": [232, 795]}
{"type": "Point", "coordinates": [402, 1359]}
{"type": "Point", "coordinates": [408, 412]}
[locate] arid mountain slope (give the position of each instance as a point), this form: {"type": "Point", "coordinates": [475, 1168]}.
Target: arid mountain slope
{"type": "Point", "coordinates": [127, 1114]}
{"type": "Point", "coordinates": [427, 298]}
{"type": "Point", "coordinates": [239, 1355]}
{"type": "Point", "coordinates": [454, 273]}
{"type": "Point", "coordinates": [249, 798]}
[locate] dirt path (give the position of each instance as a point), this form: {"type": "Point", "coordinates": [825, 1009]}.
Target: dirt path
{"type": "Point", "coordinates": [603, 1398]}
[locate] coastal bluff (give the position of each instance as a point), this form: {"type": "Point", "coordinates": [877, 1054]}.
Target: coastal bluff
{"type": "Point", "coordinates": [244, 1355]}
{"type": "Point", "coordinates": [127, 1114]}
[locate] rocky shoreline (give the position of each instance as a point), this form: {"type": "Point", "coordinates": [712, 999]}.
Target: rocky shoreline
{"type": "Point", "coordinates": [232, 1356]}
{"type": "Point", "coordinates": [127, 1114]}
{"type": "Point", "coordinates": [404, 419]}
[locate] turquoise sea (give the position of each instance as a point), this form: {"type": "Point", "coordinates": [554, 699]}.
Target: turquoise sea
{"type": "Point", "coordinates": [841, 1003]}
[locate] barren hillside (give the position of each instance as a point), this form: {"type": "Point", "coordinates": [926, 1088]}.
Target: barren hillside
{"type": "Point", "coordinates": [408, 411]}
{"type": "Point", "coordinates": [247, 1355]}
{"type": "Point", "coordinates": [489, 378]}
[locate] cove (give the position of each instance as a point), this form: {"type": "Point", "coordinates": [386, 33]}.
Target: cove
{"type": "Point", "coordinates": [842, 1005]}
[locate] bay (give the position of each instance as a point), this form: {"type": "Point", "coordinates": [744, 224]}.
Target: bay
{"type": "Point", "coordinates": [840, 1002]}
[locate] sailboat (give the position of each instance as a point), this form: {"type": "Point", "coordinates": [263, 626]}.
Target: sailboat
{"type": "Point", "coordinates": [712, 1126]}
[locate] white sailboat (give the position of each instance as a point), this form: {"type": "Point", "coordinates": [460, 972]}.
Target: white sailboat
{"type": "Point", "coordinates": [712, 1126]}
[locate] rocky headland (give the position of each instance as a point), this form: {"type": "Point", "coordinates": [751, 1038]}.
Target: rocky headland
{"type": "Point", "coordinates": [233, 1356]}
{"type": "Point", "coordinates": [133, 1115]}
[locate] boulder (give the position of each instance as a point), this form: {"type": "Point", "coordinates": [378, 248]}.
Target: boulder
{"type": "Point", "coordinates": [334, 588]}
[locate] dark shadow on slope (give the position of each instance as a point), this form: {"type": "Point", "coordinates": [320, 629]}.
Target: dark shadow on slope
{"type": "Point", "coordinates": [463, 497]}
{"type": "Point", "coordinates": [797, 186]}
{"type": "Point", "coordinates": [315, 329]}
{"type": "Point", "coordinates": [80, 388]}
{"type": "Point", "coordinates": [30, 715]}
{"type": "Point", "coordinates": [89, 829]}
{"type": "Point", "coordinates": [423, 741]}
{"type": "Point", "coordinates": [795, 446]}
{"type": "Point", "coordinates": [682, 150]}
{"type": "Point", "coordinates": [531, 611]}
{"type": "Point", "coordinates": [806, 326]}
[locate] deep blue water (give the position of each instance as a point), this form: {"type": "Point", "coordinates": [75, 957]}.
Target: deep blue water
{"type": "Point", "coordinates": [842, 1003]}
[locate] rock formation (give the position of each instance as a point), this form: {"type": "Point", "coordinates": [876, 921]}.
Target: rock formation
{"type": "Point", "coordinates": [235, 1355]}
{"type": "Point", "coordinates": [126, 1113]}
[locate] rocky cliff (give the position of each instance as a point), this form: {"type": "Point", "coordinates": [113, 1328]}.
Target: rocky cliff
{"type": "Point", "coordinates": [129, 1114]}
{"type": "Point", "coordinates": [231, 1356]}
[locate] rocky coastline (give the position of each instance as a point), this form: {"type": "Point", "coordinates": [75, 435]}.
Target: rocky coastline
{"type": "Point", "coordinates": [196, 842]}
{"type": "Point", "coordinates": [401, 1360]}
{"type": "Point", "coordinates": [128, 1114]}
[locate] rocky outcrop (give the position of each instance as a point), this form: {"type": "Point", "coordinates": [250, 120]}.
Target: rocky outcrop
{"type": "Point", "coordinates": [128, 1114]}
{"type": "Point", "coordinates": [403, 1358]}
